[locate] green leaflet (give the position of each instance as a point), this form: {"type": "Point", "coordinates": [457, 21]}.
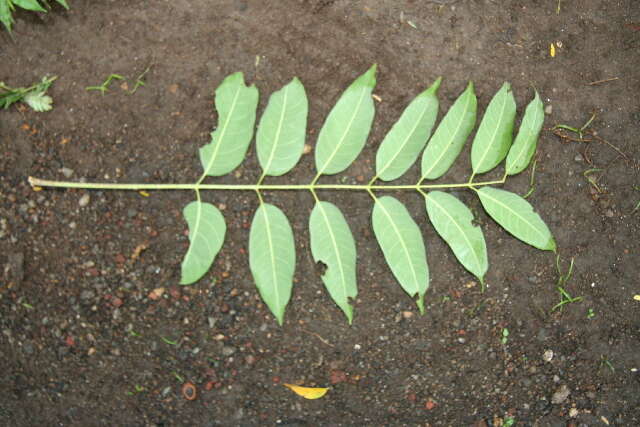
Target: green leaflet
{"type": "Point", "coordinates": [408, 136]}
{"type": "Point", "coordinates": [272, 257]}
{"type": "Point", "coordinates": [206, 235]}
{"type": "Point", "coordinates": [63, 3]}
{"type": "Point", "coordinates": [332, 243]}
{"type": "Point", "coordinates": [402, 245]}
{"type": "Point", "coordinates": [495, 133]}
{"type": "Point", "coordinates": [525, 144]}
{"type": "Point", "coordinates": [38, 101]}
{"type": "Point", "coordinates": [347, 126]}
{"type": "Point", "coordinates": [454, 223]}
{"type": "Point", "coordinates": [236, 104]}
{"type": "Point", "coordinates": [517, 216]}
{"type": "Point", "coordinates": [29, 5]}
{"type": "Point", "coordinates": [5, 15]}
{"type": "Point", "coordinates": [282, 129]}
{"type": "Point", "coordinates": [449, 138]}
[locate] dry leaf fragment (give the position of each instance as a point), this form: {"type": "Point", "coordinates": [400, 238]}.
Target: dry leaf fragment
{"type": "Point", "coordinates": [138, 250]}
{"type": "Point", "coordinates": [552, 50]}
{"type": "Point", "coordinates": [636, 297]}
{"type": "Point", "coordinates": [307, 392]}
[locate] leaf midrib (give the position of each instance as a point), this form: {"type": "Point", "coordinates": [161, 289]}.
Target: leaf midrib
{"type": "Point", "coordinates": [529, 130]}
{"type": "Point", "coordinates": [515, 213]}
{"type": "Point", "coordinates": [337, 251]}
{"type": "Point", "coordinates": [214, 155]}
{"type": "Point", "coordinates": [404, 246]}
{"type": "Point", "coordinates": [453, 136]}
{"type": "Point", "coordinates": [461, 232]}
{"type": "Point", "coordinates": [495, 132]}
{"type": "Point", "coordinates": [274, 274]}
{"type": "Point", "coordinates": [406, 140]}
{"type": "Point", "coordinates": [278, 131]}
{"type": "Point", "coordinates": [363, 91]}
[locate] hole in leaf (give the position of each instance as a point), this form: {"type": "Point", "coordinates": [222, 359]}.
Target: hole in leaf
{"type": "Point", "coordinates": [320, 268]}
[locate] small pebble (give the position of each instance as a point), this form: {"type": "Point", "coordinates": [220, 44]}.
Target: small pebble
{"type": "Point", "coordinates": [547, 356]}
{"type": "Point", "coordinates": [548, 109]}
{"type": "Point", "coordinates": [84, 200]}
{"type": "Point", "coordinates": [560, 395]}
{"type": "Point", "coordinates": [68, 173]}
{"type": "Point", "coordinates": [228, 350]}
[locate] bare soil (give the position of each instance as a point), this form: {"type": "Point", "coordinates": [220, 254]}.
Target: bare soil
{"type": "Point", "coordinates": [81, 341]}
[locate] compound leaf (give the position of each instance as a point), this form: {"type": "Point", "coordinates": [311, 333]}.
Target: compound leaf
{"type": "Point", "coordinates": [236, 105]}
{"type": "Point", "coordinates": [495, 133]}
{"type": "Point", "coordinates": [401, 242]}
{"type": "Point", "coordinates": [449, 138]}
{"type": "Point", "coordinates": [525, 143]}
{"type": "Point", "coordinates": [282, 129]}
{"type": "Point", "coordinates": [272, 257]}
{"type": "Point", "coordinates": [454, 223]}
{"type": "Point", "coordinates": [408, 136]}
{"type": "Point", "coordinates": [206, 235]}
{"type": "Point", "coordinates": [347, 126]}
{"type": "Point", "coordinates": [517, 216]}
{"type": "Point", "coordinates": [332, 244]}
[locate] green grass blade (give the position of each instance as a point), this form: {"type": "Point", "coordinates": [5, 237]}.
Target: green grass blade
{"type": "Point", "coordinates": [282, 129]}
{"type": "Point", "coordinates": [347, 126]}
{"type": "Point", "coordinates": [495, 133]}
{"type": "Point", "coordinates": [206, 235]}
{"type": "Point", "coordinates": [449, 138]}
{"type": "Point", "coordinates": [517, 216]}
{"type": "Point", "coordinates": [332, 244]}
{"type": "Point", "coordinates": [454, 223]}
{"type": "Point", "coordinates": [236, 105]}
{"type": "Point", "coordinates": [525, 143]}
{"type": "Point", "coordinates": [408, 136]}
{"type": "Point", "coordinates": [29, 5]}
{"type": "Point", "coordinates": [401, 241]}
{"type": "Point", "coordinates": [272, 257]}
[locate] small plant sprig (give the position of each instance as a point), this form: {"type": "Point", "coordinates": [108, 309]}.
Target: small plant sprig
{"type": "Point", "coordinates": [34, 96]}
{"type": "Point", "coordinates": [7, 7]}
{"type": "Point", "coordinates": [105, 84]}
{"type": "Point", "coordinates": [280, 141]}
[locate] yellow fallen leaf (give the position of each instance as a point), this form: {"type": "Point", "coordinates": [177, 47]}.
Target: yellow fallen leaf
{"type": "Point", "coordinates": [143, 193]}
{"type": "Point", "coordinates": [307, 392]}
{"type": "Point", "coordinates": [552, 50]}
{"type": "Point", "coordinates": [636, 297]}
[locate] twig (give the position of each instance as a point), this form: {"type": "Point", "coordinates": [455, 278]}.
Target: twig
{"type": "Point", "coordinates": [319, 337]}
{"type": "Point", "coordinates": [597, 82]}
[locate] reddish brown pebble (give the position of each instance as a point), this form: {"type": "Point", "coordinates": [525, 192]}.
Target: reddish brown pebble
{"type": "Point", "coordinates": [117, 302]}
{"type": "Point", "coordinates": [224, 308]}
{"type": "Point", "coordinates": [225, 274]}
{"type": "Point", "coordinates": [70, 341]}
{"type": "Point", "coordinates": [338, 377]}
{"type": "Point", "coordinates": [175, 292]}
{"type": "Point", "coordinates": [429, 405]}
{"type": "Point", "coordinates": [209, 385]}
{"type": "Point", "coordinates": [189, 391]}
{"type": "Point", "coordinates": [411, 397]}
{"type": "Point", "coordinates": [120, 259]}
{"type": "Point", "coordinates": [276, 380]}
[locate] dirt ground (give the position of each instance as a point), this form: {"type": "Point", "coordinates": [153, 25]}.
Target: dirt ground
{"type": "Point", "coordinates": [81, 341]}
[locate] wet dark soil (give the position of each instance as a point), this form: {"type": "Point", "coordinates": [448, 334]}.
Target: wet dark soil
{"type": "Point", "coordinates": [84, 342]}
